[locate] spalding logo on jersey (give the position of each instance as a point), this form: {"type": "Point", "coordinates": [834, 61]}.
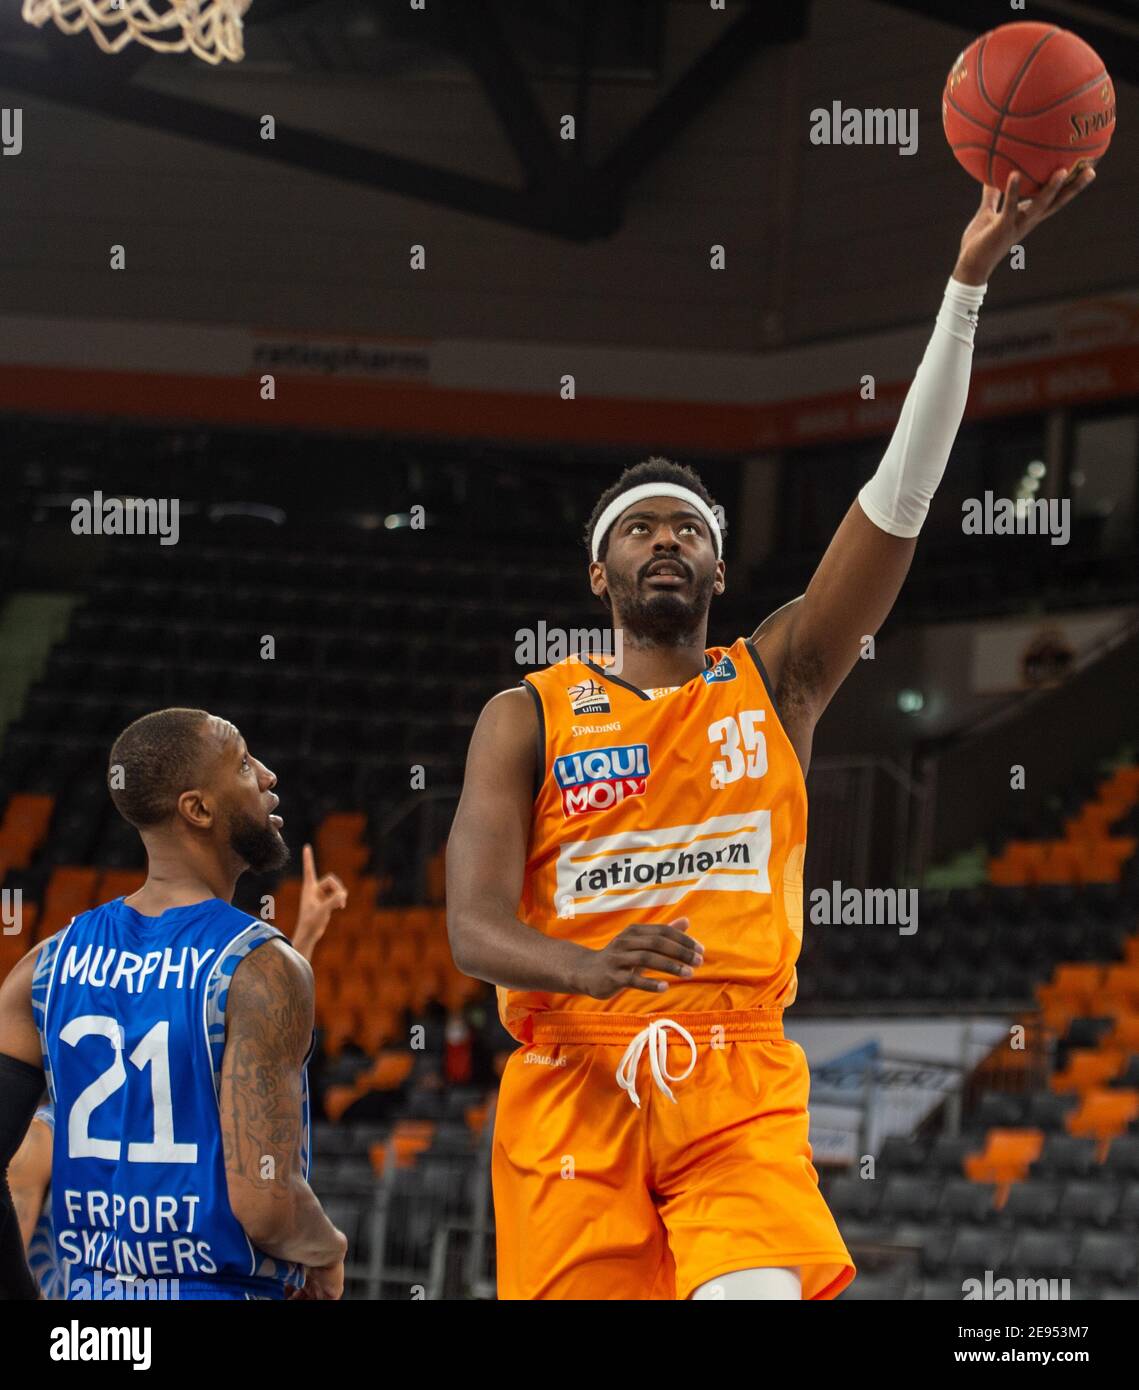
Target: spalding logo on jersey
{"type": "Point", "coordinates": [598, 778]}
{"type": "Point", "coordinates": [724, 670]}
{"type": "Point", "coordinates": [590, 697]}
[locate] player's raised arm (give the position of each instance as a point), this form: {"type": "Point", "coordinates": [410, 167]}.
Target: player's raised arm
{"type": "Point", "coordinates": [21, 1085]}
{"type": "Point", "coordinates": [817, 639]}
{"type": "Point", "coordinates": [269, 1018]}
{"type": "Point", "coordinates": [486, 860]}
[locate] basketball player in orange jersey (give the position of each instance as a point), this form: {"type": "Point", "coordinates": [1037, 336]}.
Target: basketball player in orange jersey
{"type": "Point", "coordinates": [651, 1138]}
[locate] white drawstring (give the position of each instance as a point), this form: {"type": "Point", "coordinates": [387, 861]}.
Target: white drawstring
{"type": "Point", "coordinates": [655, 1038]}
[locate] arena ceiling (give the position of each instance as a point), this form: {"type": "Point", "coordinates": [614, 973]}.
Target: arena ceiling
{"type": "Point", "coordinates": [507, 45]}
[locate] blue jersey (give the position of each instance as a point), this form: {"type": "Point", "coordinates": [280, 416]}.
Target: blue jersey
{"type": "Point", "coordinates": [131, 1014]}
{"type": "Point", "coordinates": [42, 1259]}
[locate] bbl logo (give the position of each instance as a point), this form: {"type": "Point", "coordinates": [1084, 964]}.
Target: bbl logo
{"type": "Point", "coordinates": [600, 778]}
{"type": "Point", "coordinates": [590, 697]}
{"type": "Point", "coordinates": [724, 670]}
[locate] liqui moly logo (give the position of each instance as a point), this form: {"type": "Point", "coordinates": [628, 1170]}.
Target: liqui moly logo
{"type": "Point", "coordinates": [599, 778]}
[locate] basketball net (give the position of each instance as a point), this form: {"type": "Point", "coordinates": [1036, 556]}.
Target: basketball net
{"type": "Point", "coordinates": [209, 29]}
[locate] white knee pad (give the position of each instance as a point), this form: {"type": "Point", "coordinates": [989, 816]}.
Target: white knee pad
{"type": "Point", "coordinates": [752, 1284]}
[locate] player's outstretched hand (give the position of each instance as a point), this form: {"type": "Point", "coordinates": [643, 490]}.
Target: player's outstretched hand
{"type": "Point", "coordinates": [320, 898]}
{"type": "Point", "coordinates": [322, 1284]}
{"type": "Point", "coordinates": [999, 226]}
{"type": "Point", "coordinates": [645, 946]}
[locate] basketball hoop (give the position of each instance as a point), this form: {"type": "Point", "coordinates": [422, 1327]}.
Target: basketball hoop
{"type": "Point", "coordinates": [209, 29]}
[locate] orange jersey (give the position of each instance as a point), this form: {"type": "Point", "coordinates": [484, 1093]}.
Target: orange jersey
{"type": "Point", "coordinates": [692, 805]}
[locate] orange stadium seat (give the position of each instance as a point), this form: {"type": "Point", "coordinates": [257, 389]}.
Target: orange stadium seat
{"type": "Point", "coordinates": [22, 830]}
{"type": "Point", "coordinates": [378, 1027]}
{"type": "Point", "coordinates": [1060, 864]}
{"type": "Point", "coordinates": [343, 1026]}
{"type": "Point", "coordinates": [1103, 1114]}
{"type": "Point", "coordinates": [366, 954]}
{"type": "Point", "coordinates": [404, 955]}
{"type": "Point", "coordinates": [1120, 991]}
{"type": "Point", "coordinates": [337, 1099]}
{"type": "Point", "coordinates": [1124, 1036]}
{"type": "Point", "coordinates": [340, 848]}
{"type": "Point", "coordinates": [1088, 1067]}
{"type": "Point", "coordinates": [118, 883]}
{"type": "Point", "coordinates": [287, 901]}
{"type": "Point", "coordinates": [386, 921]}
{"type": "Point", "coordinates": [1006, 1157]}
{"type": "Point", "coordinates": [1017, 865]}
{"type": "Point", "coordinates": [366, 891]}
{"type": "Point", "coordinates": [388, 1072]}
{"type": "Point", "coordinates": [1091, 823]}
{"type": "Point", "coordinates": [437, 877]}
{"type": "Point", "coordinates": [70, 890]}
{"type": "Point", "coordinates": [421, 920]}
{"type": "Point", "coordinates": [1072, 993]}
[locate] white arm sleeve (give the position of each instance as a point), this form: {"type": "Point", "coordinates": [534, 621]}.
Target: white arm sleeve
{"type": "Point", "coordinates": [897, 498]}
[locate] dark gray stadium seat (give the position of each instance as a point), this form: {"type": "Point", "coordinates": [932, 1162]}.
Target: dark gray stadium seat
{"type": "Point", "coordinates": [1087, 1032]}
{"type": "Point", "coordinates": [1032, 1203]}
{"type": "Point", "coordinates": [889, 1287]}
{"type": "Point", "coordinates": [1065, 1156]}
{"type": "Point", "coordinates": [1041, 1254]}
{"type": "Point", "coordinates": [900, 1155]}
{"type": "Point", "coordinates": [949, 1152]}
{"type": "Point", "coordinates": [908, 1198]}
{"type": "Point", "coordinates": [1127, 1213]}
{"type": "Point", "coordinates": [1047, 1110]}
{"type": "Point", "coordinates": [1122, 1160]}
{"type": "Point", "coordinates": [998, 1111]}
{"type": "Point", "coordinates": [942, 1290]}
{"type": "Point", "coordinates": [975, 1249]}
{"type": "Point", "coordinates": [1109, 1256]}
{"type": "Point", "coordinates": [853, 1197]}
{"type": "Point", "coordinates": [1090, 1202]}
{"type": "Point", "coordinates": [962, 1200]}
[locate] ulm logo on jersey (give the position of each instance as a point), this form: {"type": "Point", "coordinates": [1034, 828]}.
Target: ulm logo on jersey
{"type": "Point", "coordinates": [598, 778]}
{"type": "Point", "coordinates": [590, 697]}
{"type": "Point", "coordinates": [724, 670]}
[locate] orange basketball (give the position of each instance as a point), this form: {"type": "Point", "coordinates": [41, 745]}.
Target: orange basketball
{"type": "Point", "coordinates": [1028, 98]}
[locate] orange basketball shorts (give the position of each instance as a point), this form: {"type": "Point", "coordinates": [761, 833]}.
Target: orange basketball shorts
{"type": "Point", "coordinates": [596, 1198]}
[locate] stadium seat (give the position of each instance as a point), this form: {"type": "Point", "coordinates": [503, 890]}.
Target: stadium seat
{"type": "Point", "coordinates": [1006, 1157]}
{"type": "Point", "coordinates": [1032, 1203]}
{"type": "Point", "coordinates": [1103, 1113]}
{"type": "Point", "coordinates": [1065, 1156]}
{"type": "Point", "coordinates": [1107, 1256]}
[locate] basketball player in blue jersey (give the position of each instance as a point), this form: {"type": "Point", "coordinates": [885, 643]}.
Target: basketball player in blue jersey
{"type": "Point", "coordinates": [29, 1176]}
{"type": "Point", "coordinates": [173, 1033]}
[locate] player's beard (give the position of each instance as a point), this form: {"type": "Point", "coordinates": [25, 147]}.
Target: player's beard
{"type": "Point", "coordinates": [662, 618]}
{"type": "Point", "coordinates": [257, 844]}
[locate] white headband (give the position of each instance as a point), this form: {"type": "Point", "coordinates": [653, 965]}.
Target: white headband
{"type": "Point", "coordinates": [638, 494]}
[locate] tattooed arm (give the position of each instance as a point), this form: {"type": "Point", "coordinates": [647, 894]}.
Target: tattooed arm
{"type": "Point", "coordinates": [268, 1027]}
